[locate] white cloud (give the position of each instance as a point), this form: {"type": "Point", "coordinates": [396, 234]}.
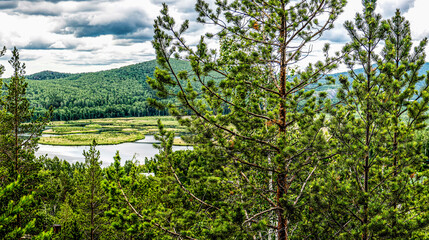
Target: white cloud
{"type": "Point", "coordinates": [388, 7]}
{"type": "Point", "coordinates": [418, 17]}
{"type": "Point", "coordinates": [34, 27]}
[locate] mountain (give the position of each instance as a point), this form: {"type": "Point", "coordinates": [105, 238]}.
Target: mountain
{"type": "Point", "coordinates": [113, 93]}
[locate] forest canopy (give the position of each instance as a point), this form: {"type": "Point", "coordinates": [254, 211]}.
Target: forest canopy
{"type": "Point", "coordinates": [273, 157]}
{"type": "Point", "coordinates": [118, 92]}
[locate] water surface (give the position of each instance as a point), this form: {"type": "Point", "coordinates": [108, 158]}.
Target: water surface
{"type": "Point", "coordinates": [138, 150]}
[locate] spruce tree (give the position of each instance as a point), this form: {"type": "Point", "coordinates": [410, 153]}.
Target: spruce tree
{"type": "Point", "coordinates": [373, 189]}
{"type": "Point", "coordinates": [251, 105]}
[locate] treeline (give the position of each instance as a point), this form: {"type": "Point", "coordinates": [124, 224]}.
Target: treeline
{"type": "Point", "coordinates": [44, 75]}
{"type": "Point", "coordinates": [114, 93]}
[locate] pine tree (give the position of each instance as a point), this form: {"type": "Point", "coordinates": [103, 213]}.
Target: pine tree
{"type": "Point", "coordinates": [10, 211]}
{"type": "Point", "coordinates": [140, 201]}
{"type": "Point", "coordinates": [18, 151]}
{"type": "Point", "coordinates": [373, 189]}
{"type": "Point", "coordinates": [3, 131]}
{"type": "Point", "coordinates": [407, 102]}
{"type": "Point", "coordinates": [89, 201]}
{"type": "Point", "coordinates": [18, 140]}
{"type": "Point", "coordinates": [251, 105]}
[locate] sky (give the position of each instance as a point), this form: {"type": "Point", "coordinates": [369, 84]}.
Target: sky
{"type": "Point", "coordinates": [92, 35]}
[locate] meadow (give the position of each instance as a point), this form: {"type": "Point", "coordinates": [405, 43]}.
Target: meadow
{"type": "Point", "coordinates": [106, 131]}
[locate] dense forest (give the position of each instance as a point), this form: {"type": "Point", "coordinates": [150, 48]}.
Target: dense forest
{"type": "Point", "coordinates": [114, 93]}
{"type": "Point", "coordinates": [119, 92]}
{"type": "Point", "coordinates": [273, 156]}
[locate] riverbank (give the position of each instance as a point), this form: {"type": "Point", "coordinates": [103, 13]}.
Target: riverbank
{"type": "Point", "coordinates": [107, 131]}
{"type": "Point", "coordinates": [135, 151]}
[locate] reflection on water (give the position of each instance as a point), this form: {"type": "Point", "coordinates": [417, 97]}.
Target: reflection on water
{"type": "Point", "coordinates": [139, 150]}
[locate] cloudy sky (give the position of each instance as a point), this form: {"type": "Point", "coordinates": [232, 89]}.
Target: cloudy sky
{"type": "Point", "coordinates": [93, 35]}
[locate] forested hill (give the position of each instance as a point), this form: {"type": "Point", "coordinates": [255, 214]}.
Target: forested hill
{"type": "Point", "coordinates": [112, 93]}
{"type": "Point", "coordinates": [48, 75]}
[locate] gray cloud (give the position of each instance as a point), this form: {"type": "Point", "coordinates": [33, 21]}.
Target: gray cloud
{"type": "Point", "coordinates": [28, 58]}
{"type": "Point", "coordinates": [57, 1]}
{"type": "Point", "coordinates": [40, 11]}
{"type": "Point", "coordinates": [8, 4]}
{"type": "Point", "coordinates": [139, 36]}
{"type": "Point", "coordinates": [42, 44]}
{"type": "Point", "coordinates": [405, 6]}
{"type": "Point", "coordinates": [133, 25]}
{"type": "Point", "coordinates": [53, 8]}
{"type": "Point", "coordinates": [37, 45]}
{"type": "Point", "coordinates": [182, 6]}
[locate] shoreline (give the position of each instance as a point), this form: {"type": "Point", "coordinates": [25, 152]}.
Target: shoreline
{"type": "Point", "coordinates": [107, 131]}
{"type": "Point", "coordinates": [176, 142]}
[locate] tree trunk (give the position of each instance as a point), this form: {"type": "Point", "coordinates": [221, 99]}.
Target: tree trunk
{"type": "Point", "coordinates": [281, 178]}
{"type": "Point", "coordinates": [367, 143]}
{"type": "Point", "coordinates": [282, 221]}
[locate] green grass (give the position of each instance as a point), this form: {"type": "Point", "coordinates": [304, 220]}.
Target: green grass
{"type": "Point", "coordinates": [104, 138]}
{"type": "Point", "coordinates": [107, 130]}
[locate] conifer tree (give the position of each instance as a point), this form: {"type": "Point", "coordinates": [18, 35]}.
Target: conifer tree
{"type": "Point", "coordinates": [17, 152]}
{"type": "Point", "coordinates": [3, 131]}
{"type": "Point", "coordinates": [140, 201]}
{"type": "Point", "coordinates": [10, 211]}
{"type": "Point", "coordinates": [250, 104]}
{"type": "Point", "coordinates": [17, 155]}
{"type": "Point", "coordinates": [407, 101]}
{"type": "Point", "coordinates": [89, 200]}
{"type": "Point", "coordinates": [374, 189]}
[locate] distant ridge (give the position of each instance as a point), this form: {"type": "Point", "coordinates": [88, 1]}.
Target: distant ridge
{"type": "Point", "coordinates": [44, 75]}
{"type": "Point", "coordinates": [119, 92]}
{"type": "Point", "coordinates": [48, 75]}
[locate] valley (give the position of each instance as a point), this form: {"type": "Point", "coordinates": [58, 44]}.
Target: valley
{"type": "Point", "coordinates": [107, 131]}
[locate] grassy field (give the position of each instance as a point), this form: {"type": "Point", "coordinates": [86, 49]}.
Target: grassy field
{"type": "Point", "coordinates": [106, 130]}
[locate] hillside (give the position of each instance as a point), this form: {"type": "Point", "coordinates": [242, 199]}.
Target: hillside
{"type": "Point", "coordinates": [118, 92]}
{"type": "Point", "coordinates": [44, 75]}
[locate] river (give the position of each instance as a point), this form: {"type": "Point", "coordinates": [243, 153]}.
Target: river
{"type": "Point", "coordinates": [138, 150]}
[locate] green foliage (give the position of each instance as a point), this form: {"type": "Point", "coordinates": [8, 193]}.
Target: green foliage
{"type": "Point", "coordinates": [89, 201]}
{"type": "Point", "coordinates": [176, 210]}
{"type": "Point", "coordinates": [17, 151]}
{"type": "Point", "coordinates": [11, 210]}
{"type": "Point", "coordinates": [44, 75]}
{"type": "Point", "coordinates": [260, 115]}
{"type": "Point", "coordinates": [118, 92]}
{"type": "Point", "coordinates": [272, 158]}
{"type": "Point", "coordinates": [71, 231]}
{"type": "Point", "coordinates": [18, 140]}
{"type": "Point", "coordinates": [376, 188]}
